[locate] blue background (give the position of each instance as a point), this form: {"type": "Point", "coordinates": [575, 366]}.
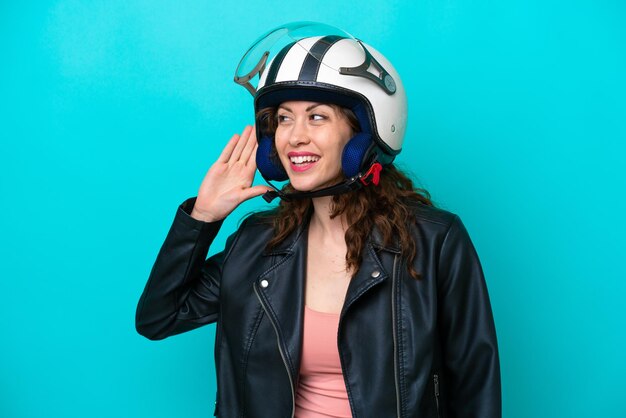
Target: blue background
{"type": "Point", "coordinates": [112, 111]}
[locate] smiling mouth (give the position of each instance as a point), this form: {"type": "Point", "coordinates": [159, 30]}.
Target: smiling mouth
{"type": "Point", "coordinates": [303, 159]}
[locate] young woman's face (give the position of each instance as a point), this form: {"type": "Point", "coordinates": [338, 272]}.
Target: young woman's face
{"type": "Point", "coordinates": [310, 138]}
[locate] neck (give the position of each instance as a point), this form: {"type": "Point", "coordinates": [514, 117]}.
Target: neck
{"type": "Point", "coordinates": [322, 222]}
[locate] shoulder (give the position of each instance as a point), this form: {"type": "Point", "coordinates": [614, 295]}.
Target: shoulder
{"type": "Point", "coordinates": [430, 215]}
{"type": "Point", "coordinates": [261, 219]}
{"type": "Point", "coordinates": [440, 227]}
{"type": "Point", "coordinates": [258, 225]}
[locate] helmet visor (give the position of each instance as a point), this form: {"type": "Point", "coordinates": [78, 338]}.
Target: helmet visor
{"type": "Point", "coordinates": [301, 34]}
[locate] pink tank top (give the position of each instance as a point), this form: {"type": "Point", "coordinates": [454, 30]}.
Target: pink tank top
{"type": "Point", "coordinates": [321, 391]}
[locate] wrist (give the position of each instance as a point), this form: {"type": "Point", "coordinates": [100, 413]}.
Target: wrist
{"type": "Point", "coordinates": [202, 216]}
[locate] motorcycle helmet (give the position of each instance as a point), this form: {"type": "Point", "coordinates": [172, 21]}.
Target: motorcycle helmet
{"type": "Point", "coordinates": [320, 63]}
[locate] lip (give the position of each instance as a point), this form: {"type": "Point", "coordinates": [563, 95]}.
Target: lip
{"type": "Point", "coordinates": [299, 168]}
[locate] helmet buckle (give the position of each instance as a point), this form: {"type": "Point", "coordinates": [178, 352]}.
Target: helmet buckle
{"type": "Point", "coordinates": [374, 173]}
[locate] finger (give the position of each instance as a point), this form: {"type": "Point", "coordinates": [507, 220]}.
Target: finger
{"type": "Point", "coordinates": [228, 149]}
{"type": "Point", "coordinates": [251, 164]}
{"type": "Point", "coordinates": [249, 149]}
{"type": "Point", "coordinates": [236, 155]}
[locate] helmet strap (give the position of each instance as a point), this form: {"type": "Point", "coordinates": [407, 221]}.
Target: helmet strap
{"type": "Point", "coordinates": [372, 176]}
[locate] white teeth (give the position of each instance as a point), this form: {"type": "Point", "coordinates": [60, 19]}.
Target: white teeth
{"type": "Point", "coordinates": [304, 159]}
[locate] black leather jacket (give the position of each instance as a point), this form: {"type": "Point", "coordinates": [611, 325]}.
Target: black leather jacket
{"type": "Point", "coordinates": [408, 348]}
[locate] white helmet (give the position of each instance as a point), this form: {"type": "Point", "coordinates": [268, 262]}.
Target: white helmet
{"type": "Point", "coordinates": [316, 62]}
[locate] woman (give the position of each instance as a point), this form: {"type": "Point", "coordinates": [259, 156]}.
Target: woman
{"type": "Point", "coordinates": [355, 297]}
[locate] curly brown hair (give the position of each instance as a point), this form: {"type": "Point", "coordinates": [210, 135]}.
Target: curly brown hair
{"type": "Point", "coordinates": [386, 206]}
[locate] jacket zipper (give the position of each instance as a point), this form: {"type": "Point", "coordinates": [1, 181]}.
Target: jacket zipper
{"type": "Point", "coordinates": [282, 354]}
{"type": "Point", "coordinates": [343, 372]}
{"type": "Point", "coordinates": [395, 336]}
{"type": "Point", "coordinates": [436, 381]}
{"type": "Point", "coordinates": [218, 342]}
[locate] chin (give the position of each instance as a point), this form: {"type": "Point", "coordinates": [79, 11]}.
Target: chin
{"type": "Point", "coordinates": [303, 186]}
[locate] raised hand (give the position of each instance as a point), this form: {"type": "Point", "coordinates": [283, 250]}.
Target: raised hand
{"type": "Point", "coordinates": [228, 182]}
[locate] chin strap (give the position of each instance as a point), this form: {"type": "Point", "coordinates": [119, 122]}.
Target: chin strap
{"type": "Point", "coordinates": [371, 176]}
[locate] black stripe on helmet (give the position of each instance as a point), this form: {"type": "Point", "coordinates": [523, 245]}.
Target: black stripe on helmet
{"type": "Point", "coordinates": [314, 58]}
{"type": "Point", "coordinates": [273, 71]}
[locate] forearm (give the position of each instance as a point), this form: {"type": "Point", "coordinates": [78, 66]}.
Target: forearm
{"type": "Point", "coordinates": [176, 276]}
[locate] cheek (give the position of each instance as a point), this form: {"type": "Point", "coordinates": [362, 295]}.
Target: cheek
{"type": "Point", "coordinates": [343, 141]}
{"type": "Point", "coordinates": [279, 141]}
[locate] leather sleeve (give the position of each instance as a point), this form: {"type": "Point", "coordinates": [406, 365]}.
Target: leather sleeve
{"type": "Point", "coordinates": [471, 379]}
{"type": "Point", "coordinates": [182, 292]}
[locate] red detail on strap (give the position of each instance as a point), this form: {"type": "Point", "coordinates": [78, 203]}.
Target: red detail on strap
{"type": "Point", "coordinates": [374, 173]}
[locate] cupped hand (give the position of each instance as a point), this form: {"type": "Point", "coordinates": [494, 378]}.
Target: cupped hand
{"type": "Point", "coordinates": [228, 182]}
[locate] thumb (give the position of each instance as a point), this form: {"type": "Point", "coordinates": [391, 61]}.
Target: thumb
{"type": "Point", "coordinates": [251, 192]}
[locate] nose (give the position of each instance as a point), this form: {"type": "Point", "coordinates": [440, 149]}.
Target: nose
{"type": "Point", "coordinates": [299, 133]}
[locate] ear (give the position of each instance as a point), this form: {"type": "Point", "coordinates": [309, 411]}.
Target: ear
{"type": "Point", "coordinates": [355, 154]}
{"type": "Point", "coordinates": [269, 167]}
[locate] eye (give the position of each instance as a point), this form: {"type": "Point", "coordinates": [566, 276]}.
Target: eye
{"type": "Point", "coordinates": [283, 118]}
{"type": "Point", "coordinates": [317, 117]}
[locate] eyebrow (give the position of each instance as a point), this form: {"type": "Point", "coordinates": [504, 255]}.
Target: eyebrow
{"type": "Point", "coordinates": [313, 106]}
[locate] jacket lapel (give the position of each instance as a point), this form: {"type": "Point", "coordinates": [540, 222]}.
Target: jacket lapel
{"type": "Point", "coordinates": [372, 270]}
{"type": "Point", "coordinates": [281, 290]}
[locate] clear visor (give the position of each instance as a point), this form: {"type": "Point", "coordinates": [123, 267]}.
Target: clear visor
{"type": "Point", "coordinates": [303, 34]}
